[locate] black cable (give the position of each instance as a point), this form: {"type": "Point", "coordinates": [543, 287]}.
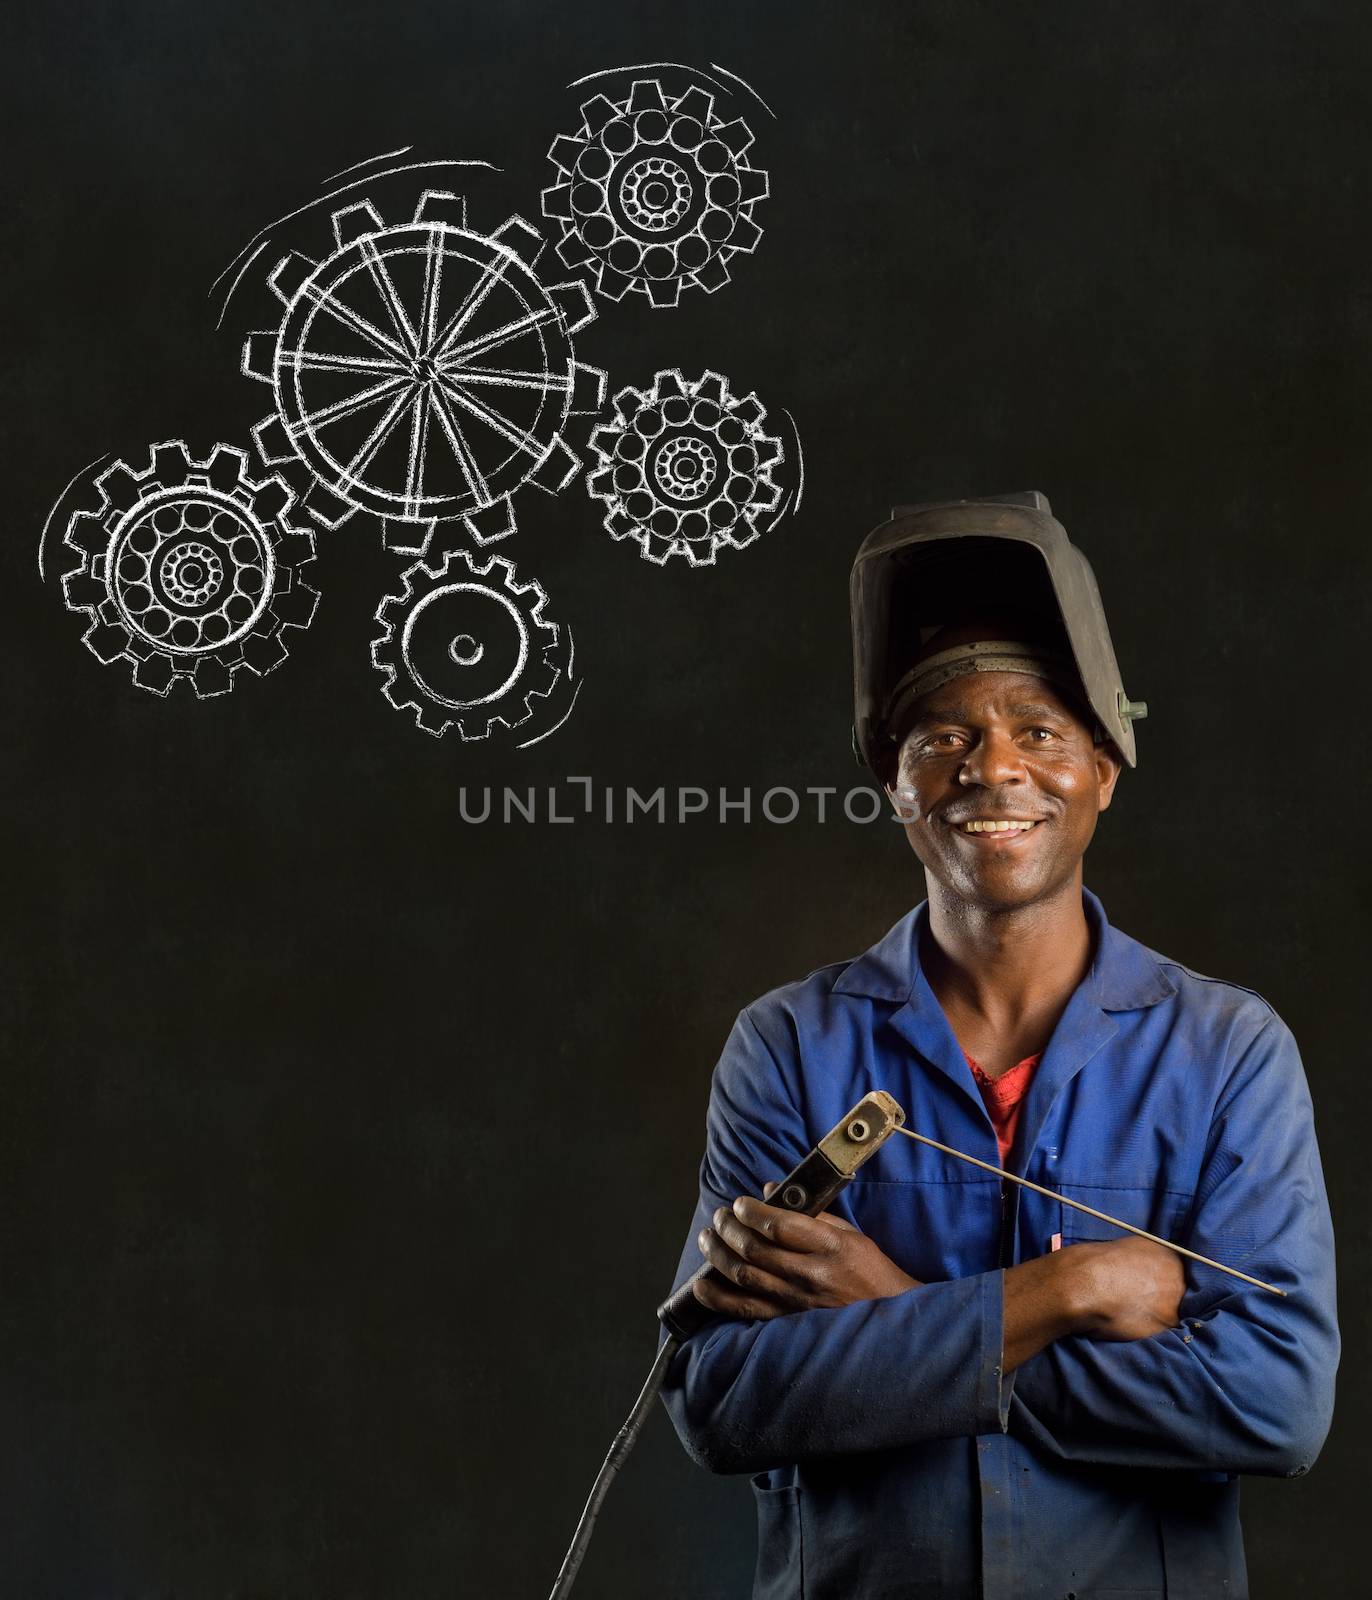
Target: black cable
{"type": "Point", "coordinates": [619, 1450]}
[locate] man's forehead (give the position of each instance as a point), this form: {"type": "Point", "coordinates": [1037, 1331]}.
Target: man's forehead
{"type": "Point", "coordinates": [1013, 694]}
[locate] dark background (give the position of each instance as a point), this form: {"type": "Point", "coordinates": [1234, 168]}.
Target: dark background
{"type": "Point", "coordinates": [347, 1148]}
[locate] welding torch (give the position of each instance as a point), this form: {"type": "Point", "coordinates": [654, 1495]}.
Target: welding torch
{"type": "Point", "coordinates": [809, 1188]}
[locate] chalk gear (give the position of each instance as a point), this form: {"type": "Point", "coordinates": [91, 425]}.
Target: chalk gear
{"type": "Point", "coordinates": [939, 564]}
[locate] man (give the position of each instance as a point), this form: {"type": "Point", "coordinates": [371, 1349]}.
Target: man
{"type": "Point", "coordinates": [949, 1385]}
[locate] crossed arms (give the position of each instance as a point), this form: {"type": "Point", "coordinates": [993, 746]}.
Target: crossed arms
{"type": "Point", "coordinates": [1098, 1353]}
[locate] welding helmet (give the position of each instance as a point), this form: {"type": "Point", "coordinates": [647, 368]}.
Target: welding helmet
{"type": "Point", "coordinates": [935, 565]}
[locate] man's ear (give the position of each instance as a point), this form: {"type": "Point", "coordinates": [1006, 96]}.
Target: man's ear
{"type": "Point", "coordinates": [1109, 765]}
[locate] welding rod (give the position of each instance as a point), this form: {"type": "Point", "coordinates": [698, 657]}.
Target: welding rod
{"type": "Point", "coordinates": [1091, 1211]}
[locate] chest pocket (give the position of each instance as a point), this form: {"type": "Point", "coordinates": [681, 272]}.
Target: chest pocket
{"type": "Point", "coordinates": [1156, 1209]}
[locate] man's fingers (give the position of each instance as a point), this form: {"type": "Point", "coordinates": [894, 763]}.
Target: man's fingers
{"type": "Point", "coordinates": [755, 1249]}
{"type": "Point", "coordinates": [754, 1280]}
{"type": "Point", "coordinates": [789, 1229]}
{"type": "Point", "coordinates": [718, 1295]}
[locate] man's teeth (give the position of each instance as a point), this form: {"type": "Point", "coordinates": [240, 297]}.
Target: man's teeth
{"type": "Point", "coordinates": [997, 827]}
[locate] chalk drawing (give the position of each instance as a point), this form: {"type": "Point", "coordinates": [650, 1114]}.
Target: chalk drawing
{"type": "Point", "coordinates": [655, 194]}
{"type": "Point", "coordinates": [465, 645]}
{"type": "Point", "coordinates": [424, 372]}
{"type": "Point", "coordinates": [189, 569]}
{"type": "Point", "coordinates": [685, 468]}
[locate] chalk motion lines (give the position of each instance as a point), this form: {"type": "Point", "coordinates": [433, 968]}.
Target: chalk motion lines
{"type": "Point", "coordinates": [424, 374]}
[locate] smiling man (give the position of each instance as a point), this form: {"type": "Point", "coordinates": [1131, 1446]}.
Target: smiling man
{"type": "Point", "coordinates": [950, 1386]}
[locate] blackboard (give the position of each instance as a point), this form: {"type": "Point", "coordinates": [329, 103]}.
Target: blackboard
{"type": "Point", "coordinates": [348, 1144]}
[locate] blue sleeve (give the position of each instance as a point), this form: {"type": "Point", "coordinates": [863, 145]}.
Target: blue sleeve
{"type": "Point", "coordinates": [746, 1396]}
{"type": "Point", "coordinates": [1246, 1383]}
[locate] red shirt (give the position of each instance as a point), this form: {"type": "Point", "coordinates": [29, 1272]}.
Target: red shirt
{"type": "Point", "coordinates": [1003, 1097]}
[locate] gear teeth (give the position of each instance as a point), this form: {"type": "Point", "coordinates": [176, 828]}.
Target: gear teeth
{"type": "Point", "coordinates": [328, 509]}
{"type": "Point", "coordinates": [613, 285]}
{"type": "Point", "coordinates": [574, 304]}
{"type": "Point", "coordinates": [713, 275]}
{"type": "Point", "coordinates": [211, 678]}
{"type": "Point", "coordinates": [289, 274]}
{"type": "Point", "coordinates": [748, 410]}
{"type": "Point", "coordinates": [557, 468]}
{"type": "Point", "coordinates": [271, 500]}
{"type": "Point", "coordinates": [82, 591]}
{"type": "Point", "coordinates": [736, 135]}
{"type": "Point", "coordinates": [489, 523]}
{"type": "Point", "coordinates": [355, 222]}
{"type": "Point", "coordinates": [769, 451]}
{"type": "Point", "coordinates": [657, 548]}
{"type": "Point", "coordinates": [587, 394]}
{"type": "Point", "coordinates": [696, 103]}
{"type": "Point", "coordinates": [120, 487]}
{"type": "Point", "coordinates": [600, 484]}
{"type": "Point", "coordinates": [596, 112]}
{"type": "Point", "coordinates": [296, 606]}
{"type": "Point", "coordinates": [766, 498]}
{"type": "Point", "coordinates": [646, 95]}
{"type": "Point", "coordinates": [544, 678]}
{"type": "Point", "coordinates": [106, 641]}
{"type": "Point", "coordinates": [273, 442]}
{"type": "Point", "coordinates": [406, 538]}
{"type": "Point", "coordinates": [87, 532]}
{"type": "Point", "coordinates": [664, 292]}
{"type": "Point", "coordinates": [745, 235]}
{"type": "Point", "coordinates": [711, 386]}
{"type": "Point", "coordinates": [572, 252]}
{"type": "Point", "coordinates": [171, 463]}
{"type": "Point", "coordinates": [226, 470]}
{"type": "Point", "coordinates": [154, 673]}
{"type": "Point", "coordinates": [442, 206]}
{"type": "Point", "coordinates": [753, 184]}
{"type": "Point", "coordinates": [741, 535]}
{"type": "Point", "coordinates": [603, 438]}
{"type": "Point", "coordinates": [556, 201]}
{"type": "Point", "coordinates": [669, 384]}
{"type": "Point", "coordinates": [521, 237]}
{"type": "Point", "coordinates": [259, 356]}
{"type": "Point", "coordinates": [434, 719]}
{"type": "Point", "coordinates": [698, 555]}
{"type": "Point", "coordinates": [295, 548]}
{"type": "Point", "coordinates": [620, 525]}
{"type": "Point", "coordinates": [502, 566]}
{"type": "Point", "coordinates": [391, 688]}
{"type": "Point", "coordinates": [565, 151]}
{"type": "Point", "coordinates": [263, 653]}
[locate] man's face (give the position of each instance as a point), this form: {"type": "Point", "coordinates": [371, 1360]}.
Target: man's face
{"type": "Point", "coordinates": [1001, 747]}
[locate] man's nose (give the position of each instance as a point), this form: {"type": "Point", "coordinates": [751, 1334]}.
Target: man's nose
{"type": "Point", "coordinates": [993, 760]}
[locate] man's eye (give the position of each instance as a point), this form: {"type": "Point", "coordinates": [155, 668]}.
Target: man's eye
{"type": "Point", "coordinates": [942, 741]}
{"type": "Point", "coordinates": [1047, 735]}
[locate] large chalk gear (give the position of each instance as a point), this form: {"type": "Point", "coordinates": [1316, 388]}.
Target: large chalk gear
{"type": "Point", "coordinates": [934, 564]}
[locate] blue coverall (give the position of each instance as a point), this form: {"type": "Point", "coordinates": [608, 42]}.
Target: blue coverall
{"type": "Point", "coordinates": [890, 1457]}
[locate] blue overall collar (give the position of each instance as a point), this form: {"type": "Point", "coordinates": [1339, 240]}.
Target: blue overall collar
{"type": "Point", "coordinates": [1124, 976]}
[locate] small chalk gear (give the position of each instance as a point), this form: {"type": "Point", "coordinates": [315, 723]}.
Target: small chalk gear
{"type": "Point", "coordinates": [189, 570]}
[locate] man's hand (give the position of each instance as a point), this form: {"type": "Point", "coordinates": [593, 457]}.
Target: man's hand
{"type": "Point", "coordinates": [774, 1261]}
{"type": "Point", "coordinates": [1132, 1288]}
{"type": "Point", "coordinates": [1119, 1289]}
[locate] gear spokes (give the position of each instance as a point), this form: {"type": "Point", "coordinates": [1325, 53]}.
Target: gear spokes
{"type": "Point", "coordinates": [424, 372]}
